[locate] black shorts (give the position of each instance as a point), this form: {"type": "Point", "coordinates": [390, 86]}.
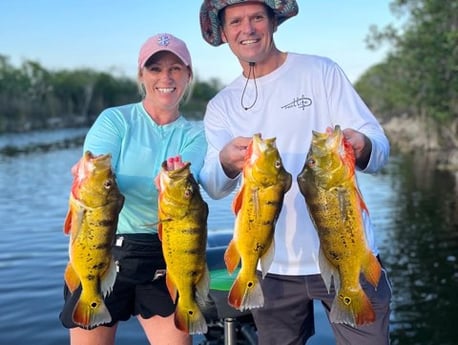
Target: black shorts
{"type": "Point", "coordinates": [140, 287]}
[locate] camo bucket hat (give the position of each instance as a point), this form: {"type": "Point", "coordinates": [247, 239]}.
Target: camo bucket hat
{"type": "Point", "coordinates": [210, 23]}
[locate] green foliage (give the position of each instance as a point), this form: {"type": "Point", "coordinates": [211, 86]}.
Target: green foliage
{"type": "Point", "coordinates": [201, 93]}
{"type": "Point", "coordinates": [32, 97]}
{"type": "Point", "coordinates": [419, 77]}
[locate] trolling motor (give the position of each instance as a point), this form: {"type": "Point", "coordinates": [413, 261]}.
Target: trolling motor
{"type": "Point", "coordinates": [226, 325]}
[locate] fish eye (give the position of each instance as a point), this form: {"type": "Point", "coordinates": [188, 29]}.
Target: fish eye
{"type": "Point", "coordinates": [278, 164]}
{"type": "Point", "coordinates": [311, 162]}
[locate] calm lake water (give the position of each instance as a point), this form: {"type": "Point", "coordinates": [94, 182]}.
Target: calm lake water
{"type": "Point", "coordinates": [414, 208]}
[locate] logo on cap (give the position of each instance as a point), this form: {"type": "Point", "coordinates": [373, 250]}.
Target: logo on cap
{"type": "Point", "coordinates": [163, 40]}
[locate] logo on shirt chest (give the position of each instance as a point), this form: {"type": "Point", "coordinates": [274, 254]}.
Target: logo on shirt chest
{"type": "Point", "coordinates": [299, 102]}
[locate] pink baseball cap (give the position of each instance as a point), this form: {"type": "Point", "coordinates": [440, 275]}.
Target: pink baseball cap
{"type": "Point", "coordinates": [161, 42]}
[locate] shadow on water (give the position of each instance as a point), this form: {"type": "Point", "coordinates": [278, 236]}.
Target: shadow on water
{"type": "Point", "coordinates": [421, 252]}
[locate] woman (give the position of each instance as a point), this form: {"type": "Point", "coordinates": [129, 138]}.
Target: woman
{"type": "Point", "coordinates": [140, 137]}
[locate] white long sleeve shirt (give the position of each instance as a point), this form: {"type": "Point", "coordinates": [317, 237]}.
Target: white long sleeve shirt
{"type": "Point", "coordinates": [305, 93]}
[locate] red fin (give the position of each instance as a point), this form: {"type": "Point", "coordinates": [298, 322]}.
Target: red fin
{"type": "Point", "coordinates": [68, 221]}
{"type": "Point", "coordinates": [231, 257]}
{"type": "Point", "coordinates": [238, 200]}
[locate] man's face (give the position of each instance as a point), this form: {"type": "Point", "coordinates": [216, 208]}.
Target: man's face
{"type": "Point", "coordinates": [248, 30]}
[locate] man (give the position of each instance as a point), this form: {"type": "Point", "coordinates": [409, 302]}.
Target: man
{"type": "Point", "coordinates": [287, 95]}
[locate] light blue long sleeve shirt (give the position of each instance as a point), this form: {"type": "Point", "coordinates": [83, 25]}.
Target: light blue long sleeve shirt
{"type": "Point", "coordinates": [138, 146]}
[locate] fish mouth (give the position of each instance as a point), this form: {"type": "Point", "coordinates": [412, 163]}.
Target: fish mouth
{"type": "Point", "coordinates": [261, 145]}
{"type": "Point", "coordinates": [89, 156]}
{"type": "Point", "coordinates": [330, 135]}
{"type": "Point", "coordinates": [102, 161]}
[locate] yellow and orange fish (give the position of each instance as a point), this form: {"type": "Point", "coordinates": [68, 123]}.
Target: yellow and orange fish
{"type": "Point", "coordinates": [183, 231]}
{"type": "Point", "coordinates": [257, 206]}
{"type": "Point", "coordinates": [91, 221]}
{"type": "Point", "coordinates": [329, 186]}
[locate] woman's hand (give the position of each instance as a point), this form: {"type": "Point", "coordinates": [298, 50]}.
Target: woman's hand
{"type": "Point", "coordinates": [173, 163]}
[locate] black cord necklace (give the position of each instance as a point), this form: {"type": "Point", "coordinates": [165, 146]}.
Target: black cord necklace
{"type": "Point", "coordinates": [251, 70]}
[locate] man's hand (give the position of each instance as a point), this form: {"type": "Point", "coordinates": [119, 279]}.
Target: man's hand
{"type": "Point", "coordinates": [362, 146]}
{"type": "Point", "coordinates": [232, 156]}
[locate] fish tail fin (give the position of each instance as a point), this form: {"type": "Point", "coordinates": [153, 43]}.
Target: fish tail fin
{"type": "Point", "coordinates": [246, 293]}
{"type": "Point", "coordinates": [352, 307]}
{"type": "Point", "coordinates": [372, 269]}
{"type": "Point", "coordinates": [189, 318]}
{"type": "Point", "coordinates": [90, 312]}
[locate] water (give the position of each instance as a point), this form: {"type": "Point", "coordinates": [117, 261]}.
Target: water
{"type": "Point", "coordinates": [414, 208]}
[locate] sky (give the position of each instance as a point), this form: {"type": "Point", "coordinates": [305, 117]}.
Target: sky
{"type": "Point", "coordinates": [106, 35]}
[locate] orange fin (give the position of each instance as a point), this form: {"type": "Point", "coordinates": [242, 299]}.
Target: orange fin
{"type": "Point", "coordinates": [246, 293]}
{"type": "Point", "coordinates": [74, 218]}
{"type": "Point", "coordinates": [231, 257]}
{"type": "Point", "coordinates": [71, 278]}
{"type": "Point", "coordinates": [171, 287]}
{"type": "Point", "coordinates": [238, 200]}
{"type": "Point", "coordinates": [372, 269]}
{"type": "Point", "coordinates": [361, 201]}
{"type": "Point", "coordinates": [159, 231]}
